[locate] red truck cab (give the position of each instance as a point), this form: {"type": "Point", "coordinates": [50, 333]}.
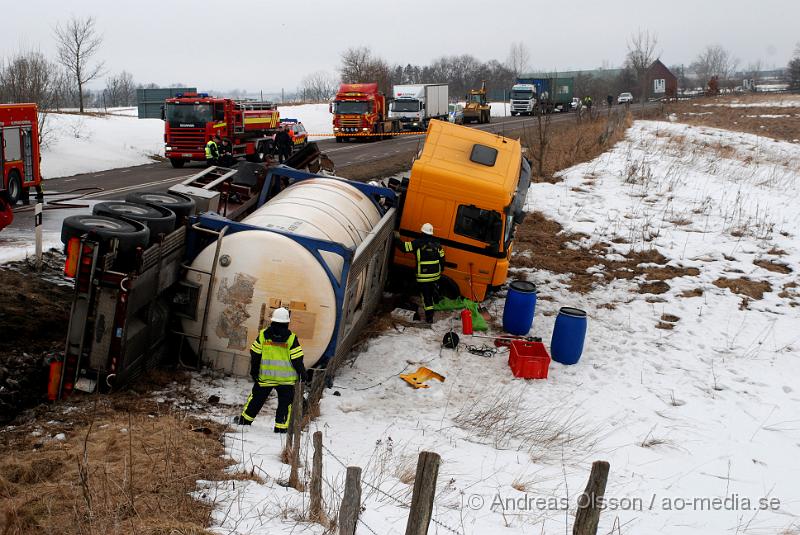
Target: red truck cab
{"type": "Point", "coordinates": [360, 110]}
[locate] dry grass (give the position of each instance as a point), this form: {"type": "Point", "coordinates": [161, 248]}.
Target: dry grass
{"type": "Point", "coordinates": [717, 113]}
{"type": "Point", "coordinates": [695, 292]}
{"type": "Point", "coordinates": [505, 422]}
{"type": "Point", "coordinates": [542, 244]}
{"type": "Point", "coordinates": [572, 143]}
{"type": "Point", "coordinates": [671, 318]}
{"type": "Point", "coordinates": [744, 286]}
{"type": "Point", "coordinates": [776, 267]}
{"type": "Point", "coordinates": [125, 465]}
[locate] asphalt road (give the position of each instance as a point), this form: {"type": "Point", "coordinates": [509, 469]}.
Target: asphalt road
{"type": "Point", "coordinates": [114, 184]}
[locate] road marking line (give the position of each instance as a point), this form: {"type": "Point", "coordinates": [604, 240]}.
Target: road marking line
{"type": "Point", "coordinates": [135, 187]}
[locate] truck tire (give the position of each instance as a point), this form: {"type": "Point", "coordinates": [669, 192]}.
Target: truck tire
{"type": "Point", "coordinates": [339, 139]}
{"type": "Point", "coordinates": [181, 205]}
{"type": "Point", "coordinates": [130, 234]}
{"type": "Point", "coordinates": [14, 187]}
{"type": "Point", "coordinates": [158, 219]}
{"type": "Point", "coordinates": [177, 163]}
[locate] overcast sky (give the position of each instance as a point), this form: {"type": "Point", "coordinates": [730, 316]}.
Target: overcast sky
{"type": "Point", "coordinates": [266, 45]}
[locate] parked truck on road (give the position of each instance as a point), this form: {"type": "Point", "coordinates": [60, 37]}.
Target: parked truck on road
{"type": "Point", "coordinates": [414, 105]}
{"type": "Point", "coordinates": [192, 119]}
{"type": "Point", "coordinates": [523, 99]}
{"type": "Point", "coordinates": [551, 92]}
{"type": "Point", "coordinates": [360, 110]}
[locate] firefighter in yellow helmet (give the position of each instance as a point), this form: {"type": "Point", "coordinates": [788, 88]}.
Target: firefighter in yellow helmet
{"type": "Point", "coordinates": [276, 361]}
{"type": "Point", "coordinates": [430, 265]}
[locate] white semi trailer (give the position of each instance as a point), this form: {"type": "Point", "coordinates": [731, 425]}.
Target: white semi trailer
{"type": "Point", "coordinates": [414, 105]}
{"type": "Point", "coordinates": [523, 99]}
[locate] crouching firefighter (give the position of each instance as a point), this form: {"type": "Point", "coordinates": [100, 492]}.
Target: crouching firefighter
{"type": "Point", "coordinates": [430, 264]}
{"type": "Point", "coordinates": [276, 361]}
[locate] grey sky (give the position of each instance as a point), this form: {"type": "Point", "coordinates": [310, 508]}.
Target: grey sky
{"type": "Point", "coordinates": [271, 45]}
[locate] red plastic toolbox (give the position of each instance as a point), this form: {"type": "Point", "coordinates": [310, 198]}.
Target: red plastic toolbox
{"type": "Point", "coordinates": [529, 360]}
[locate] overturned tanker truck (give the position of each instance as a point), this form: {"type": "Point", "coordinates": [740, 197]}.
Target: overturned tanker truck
{"type": "Point", "coordinates": [202, 266]}
{"type": "Point", "coordinates": [197, 271]}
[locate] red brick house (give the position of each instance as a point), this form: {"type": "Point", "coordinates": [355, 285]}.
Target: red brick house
{"type": "Point", "coordinates": [660, 81]}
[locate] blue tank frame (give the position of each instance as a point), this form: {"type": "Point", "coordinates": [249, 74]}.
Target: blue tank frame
{"type": "Point", "coordinates": [214, 221]}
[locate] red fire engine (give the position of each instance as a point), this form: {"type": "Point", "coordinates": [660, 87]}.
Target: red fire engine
{"type": "Point", "coordinates": [361, 110]}
{"type": "Point", "coordinates": [19, 156]}
{"type": "Point", "coordinates": [192, 119]}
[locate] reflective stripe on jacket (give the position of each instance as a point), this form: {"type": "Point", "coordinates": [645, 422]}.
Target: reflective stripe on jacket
{"type": "Point", "coordinates": [212, 151]}
{"type": "Point", "coordinates": [430, 257]}
{"type": "Point", "coordinates": [276, 367]}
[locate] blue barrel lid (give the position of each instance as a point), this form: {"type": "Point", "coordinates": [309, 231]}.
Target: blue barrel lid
{"type": "Point", "coordinates": [574, 312]}
{"type": "Point", "coordinates": [523, 286]}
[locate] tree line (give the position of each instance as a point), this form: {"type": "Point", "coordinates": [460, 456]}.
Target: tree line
{"type": "Point", "coordinates": [28, 75]}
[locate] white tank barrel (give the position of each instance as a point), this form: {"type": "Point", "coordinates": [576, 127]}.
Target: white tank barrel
{"type": "Point", "coordinates": [258, 271]}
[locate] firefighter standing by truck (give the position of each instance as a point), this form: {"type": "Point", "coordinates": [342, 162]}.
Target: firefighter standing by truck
{"type": "Point", "coordinates": [212, 151]}
{"type": "Point", "coordinates": [429, 266]}
{"type": "Point", "coordinates": [283, 142]}
{"type": "Point", "coordinates": [276, 361]}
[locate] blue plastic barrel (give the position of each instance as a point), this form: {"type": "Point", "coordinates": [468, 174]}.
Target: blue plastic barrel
{"type": "Point", "coordinates": [569, 333]}
{"type": "Point", "coordinates": [520, 305]}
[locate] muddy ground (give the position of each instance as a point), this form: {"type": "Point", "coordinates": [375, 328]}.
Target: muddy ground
{"type": "Point", "coordinates": [34, 313]}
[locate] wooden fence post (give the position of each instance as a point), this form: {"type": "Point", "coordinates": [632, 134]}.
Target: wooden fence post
{"type": "Point", "coordinates": [589, 503]}
{"type": "Point", "coordinates": [351, 502]}
{"type": "Point", "coordinates": [296, 426]}
{"type": "Point", "coordinates": [419, 517]}
{"type": "Point", "coordinates": [316, 513]}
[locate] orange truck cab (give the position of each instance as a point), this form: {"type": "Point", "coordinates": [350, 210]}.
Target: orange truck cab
{"type": "Point", "coordinates": [19, 151]}
{"type": "Point", "coordinates": [471, 186]}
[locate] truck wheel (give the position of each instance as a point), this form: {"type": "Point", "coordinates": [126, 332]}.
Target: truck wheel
{"type": "Point", "coordinates": [259, 155]}
{"type": "Point", "coordinates": [182, 206]}
{"type": "Point", "coordinates": [159, 220]}
{"type": "Point", "coordinates": [488, 116]}
{"type": "Point", "coordinates": [177, 163]}
{"type": "Point", "coordinates": [339, 139]}
{"type": "Point", "coordinates": [448, 288]}
{"type": "Point", "coordinates": [130, 235]}
{"type": "Point", "coordinates": [14, 187]}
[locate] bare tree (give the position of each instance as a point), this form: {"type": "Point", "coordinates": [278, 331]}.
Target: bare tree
{"type": "Point", "coordinates": [120, 90]}
{"type": "Point", "coordinates": [360, 65]}
{"type": "Point", "coordinates": [78, 42]}
{"type": "Point", "coordinates": [519, 58]}
{"type": "Point", "coordinates": [793, 72]}
{"type": "Point", "coordinates": [714, 60]}
{"type": "Point", "coordinates": [641, 54]}
{"type": "Point", "coordinates": [355, 64]}
{"type": "Point", "coordinates": [319, 86]}
{"type": "Point", "coordinates": [28, 76]}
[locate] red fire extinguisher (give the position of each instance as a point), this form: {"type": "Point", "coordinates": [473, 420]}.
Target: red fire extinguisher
{"type": "Point", "coordinates": [466, 321]}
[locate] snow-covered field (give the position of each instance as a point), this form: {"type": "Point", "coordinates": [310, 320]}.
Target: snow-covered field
{"type": "Point", "coordinates": [75, 144]}
{"type": "Point", "coordinates": [778, 101]}
{"type": "Point", "coordinates": [699, 422]}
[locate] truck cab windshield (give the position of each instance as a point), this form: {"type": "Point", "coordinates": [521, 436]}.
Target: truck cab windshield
{"type": "Point", "coordinates": [522, 95]}
{"type": "Point", "coordinates": [406, 105]}
{"type": "Point", "coordinates": [351, 106]}
{"type": "Point", "coordinates": [478, 99]}
{"type": "Point", "coordinates": [189, 113]}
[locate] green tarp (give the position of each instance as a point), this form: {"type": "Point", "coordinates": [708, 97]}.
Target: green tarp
{"type": "Point", "coordinates": [478, 323]}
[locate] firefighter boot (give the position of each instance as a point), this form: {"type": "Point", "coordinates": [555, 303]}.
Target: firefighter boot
{"type": "Point", "coordinates": [241, 420]}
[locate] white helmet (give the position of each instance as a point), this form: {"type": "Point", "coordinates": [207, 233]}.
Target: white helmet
{"type": "Point", "coordinates": [427, 228]}
{"type": "Point", "coordinates": [280, 315]}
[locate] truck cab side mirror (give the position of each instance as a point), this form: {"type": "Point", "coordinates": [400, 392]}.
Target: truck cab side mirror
{"type": "Point", "coordinates": [163, 114]}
